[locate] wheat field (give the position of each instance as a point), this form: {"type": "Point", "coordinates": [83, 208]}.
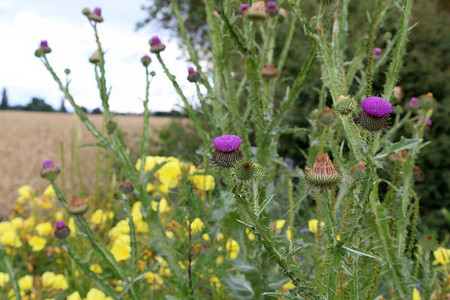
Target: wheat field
{"type": "Point", "coordinates": [27, 138]}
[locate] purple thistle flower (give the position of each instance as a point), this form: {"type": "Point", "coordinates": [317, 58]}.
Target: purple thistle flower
{"type": "Point", "coordinates": [44, 43]}
{"type": "Point", "coordinates": [155, 41]}
{"type": "Point", "coordinates": [97, 11]}
{"type": "Point", "coordinates": [191, 70]}
{"type": "Point", "coordinates": [376, 52]}
{"type": "Point", "coordinates": [413, 101]}
{"type": "Point", "coordinates": [376, 107]}
{"type": "Point", "coordinates": [60, 224]}
{"type": "Point", "coordinates": [425, 120]}
{"type": "Point", "coordinates": [48, 164]}
{"type": "Point", "coordinates": [227, 143]}
{"type": "Point", "coordinates": [271, 5]}
{"type": "Point", "coordinates": [244, 7]}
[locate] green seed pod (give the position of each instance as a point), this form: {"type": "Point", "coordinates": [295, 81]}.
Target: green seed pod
{"type": "Point", "coordinates": [344, 106]}
{"type": "Point", "coordinates": [327, 116]}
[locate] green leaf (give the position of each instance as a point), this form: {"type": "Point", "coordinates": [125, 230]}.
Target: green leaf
{"type": "Point", "coordinates": [264, 204]}
{"type": "Point", "coordinates": [403, 144]}
{"type": "Point", "coordinates": [238, 287]}
{"type": "Point", "coordinates": [361, 253]}
{"type": "Point", "coordinates": [287, 130]}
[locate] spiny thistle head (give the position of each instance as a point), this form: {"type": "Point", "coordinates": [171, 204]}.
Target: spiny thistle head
{"type": "Point", "coordinates": [427, 121]}
{"type": "Point", "coordinates": [77, 206]}
{"type": "Point", "coordinates": [244, 8]}
{"type": "Point", "coordinates": [358, 171]}
{"type": "Point", "coordinates": [426, 102]}
{"type": "Point", "coordinates": [245, 171]}
{"type": "Point", "coordinates": [111, 126]}
{"type": "Point", "coordinates": [49, 170]}
{"type": "Point", "coordinates": [43, 49]}
{"type": "Point", "coordinates": [62, 231]}
{"type": "Point", "coordinates": [412, 104]}
{"type": "Point", "coordinates": [327, 116]}
{"type": "Point", "coordinates": [155, 45]}
{"type": "Point", "coordinates": [193, 76]}
{"type": "Point", "coordinates": [96, 15]}
{"type": "Point", "coordinates": [418, 174]}
{"type": "Point", "coordinates": [323, 174]}
{"type": "Point", "coordinates": [257, 12]}
{"type": "Point", "coordinates": [375, 114]}
{"type": "Point", "coordinates": [376, 52]}
{"type": "Point", "coordinates": [227, 151]}
{"type": "Point", "coordinates": [146, 60]}
{"type": "Point", "coordinates": [269, 72]}
{"type": "Point", "coordinates": [398, 92]}
{"type": "Point", "coordinates": [126, 187]}
{"type": "Point", "coordinates": [272, 8]}
{"type": "Point", "coordinates": [345, 105]}
{"type": "Point", "coordinates": [95, 58]}
{"type": "Point", "coordinates": [86, 11]}
{"type": "Point", "coordinates": [428, 242]}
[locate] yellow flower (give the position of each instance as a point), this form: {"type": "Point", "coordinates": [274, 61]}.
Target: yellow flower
{"type": "Point", "coordinates": [154, 279]}
{"type": "Point", "coordinates": [313, 225]}
{"type": "Point", "coordinates": [163, 189]}
{"type": "Point", "coordinates": [121, 248]}
{"type": "Point", "coordinates": [160, 206]}
{"type": "Point", "coordinates": [25, 192]}
{"type": "Point", "coordinates": [121, 228]}
{"type": "Point", "coordinates": [4, 279]}
{"type": "Point", "coordinates": [141, 226]}
{"type": "Point", "coordinates": [72, 226]}
{"type": "Point", "coordinates": [203, 182]}
{"type": "Point", "coordinates": [37, 243]}
{"type": "Point", "coordinates": [29, 222]}
{"type": "Point", "coordinates": [289, 235]}
{"type": "Point", "coordinates": [17, 223]}
{"type": "Point", "coordinates": [150, 187]}
{"type": "Point", "coordinates": [6, 226]}
{"type": "Point", "coordinates": [205, 236]}
{"type": "Point", "coordinates": [96, 294]}
{"type": "Point", "coordinates": [44, 229]}
{"type": "Point", "coordinates": [416, 294]}
{"type": "Point", "coordinates": [196, 225]}
{"type": "Point", "coordinates": [150, 162]}
{"type": "Point", "coordinates": [74, 296]}
{"type": "Point", "coordinates": [169, 172]}
{"type": "Point", "coordinates": [338, 237]}
{"type": "Point", "coordinates": [25, 283]}
{"type": "Point", "coordinates": [441, 256]}
{"type": "Point", "coordinates": [49, 192]}
{"type": "Point", "coordinates": [96, 268]}
{"type": "Point", "coordinates": [11, 239]}
{"type": "Point", "coordinates": [48, 278]}
{"type": "Point", "coordinates": [233, 247]}
{"type": "Point", "coordinates": [287, 287]}
{"type": "Point", "coordinates": [279, 224]}
{"type": "Point", "coordinates": [136, 211]}
{"type": "Point", "coordinates": [97, 217]}
{"type": "Point", "coordinates": [250, 234]}
{"type": "Point", "coordinates": [59, 216]}
{"type": "Point", "coordinates": [170, 234]}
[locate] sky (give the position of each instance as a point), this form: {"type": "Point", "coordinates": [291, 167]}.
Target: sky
{"type": "Point", "coordinates": [24, 23]}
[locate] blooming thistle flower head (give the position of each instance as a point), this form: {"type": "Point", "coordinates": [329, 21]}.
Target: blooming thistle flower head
{"type": "Point", "coordinates": [375, 114]}
{"type": "Point", "coordinates": [427, 121]}
{"type": "Point", "coordinates": [62, 231]}
{"type": "Point", "coordinates": [269, 72]}
{"type": "Point", "coordinates": [257, 12]}
{"type": "Point", "coordinates": [227, 151]}
{"type": "Point", "coordinates": [49, 170]}
{"type": "Point", "coordinates": [376, 52]}
{"type": "Point", "coordinates": [272, 8]}
{"type": "Point", "coordinates": [77, 206]}
{"type": "Point", "coordinates": [43, 49]}
{"type": "Point", "coordinates": [146, 60]}
{"type": "Point", "coordinates": [244, 7]}
{"type": "Point", "coordinates": [96, 15]}
{"type": "Point", "coordinates": [193, 76]}
{"type": "Point", "coordinates": [155, 45]}
{"type": "Point", "coordinates": [323, 174]}
{"type": "Point", "coordinates": [327, 116]}
{"type": "Point", "coordinates": [344, 105]}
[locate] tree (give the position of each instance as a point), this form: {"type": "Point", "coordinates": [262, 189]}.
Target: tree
{"type": "Point", "coordinates": [63, 107]}
{"type": "Point", "coordinates": [96, 111]}
{"type": "Point", "coordinates": [37, 104]}
{"type": "Point", "coordinates": [4, 104]}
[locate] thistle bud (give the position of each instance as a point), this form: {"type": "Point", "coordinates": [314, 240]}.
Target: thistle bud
{"type": "Point", "coordinates": [412, 105]}
{"type": "Point", "coordinates": [272, 8]}
{"type": "Point", "coordinates": [126, 187]}
{"type": "Point", "coordinates": [111, 127]}
{"type": "Point", "coordinates": [95, 58]}
{"type": "Point", "coordinates": [43, 49]}
{"type": "Point", "coordinates": [269, 72]}
{"type": "Point", "coordinates": [375, 114]}
{"type": "Point", "coordinates": [418, 174]}
{"type": "Point", "coordinates": [146, 60]}
{"type": "Point", "coordinates": [283, 14]}
{"type": "Point", "coordinates": [62, 231]}
{"type": "Point", "coordinates": [246, 171]}
{"type": "Point", "coordinates": [344, 105]}
{"type": "Point", "coordinates": [327, 116]}
{"type": "Point", "coordinates": [398, 92]}
{"type": "Point", "coordinates": [49, 170]}
{"type": "Point", "coordinates": [323, 174]}
{"type": "Point", "coordinates": [257, 12]}
{"type": "Point", "coordinates": [358, 171]}
{"type": "Point", "coordinates": [428, 243]}
{"type": "Point", "coordinates": [86, 11]}
{"type": "Point", "coordinates": [426, 102]}
{"type": "Point", "coordinates": [77, 206]}
{"type": "Point", "coordinates": [193, 76]}
{"type": "Point", "coordinates": [227, 151]}
{"type": "Point", "coordinates": [398, 109]}
{"type": "Point", "coordinates": [427, 121]}
{"type": "Point", "coordinates": [155, 45]}
{"type": "Point", "coordinates": [67, 71]}
{"type": "Point", "coordinates": [314, 114]}
{"type": "Point", "coordinates": [96, 15]}
{"type": "Point", "coordinates": [376, 52]}
{"type": "Point", "coordinates": [243, 8]}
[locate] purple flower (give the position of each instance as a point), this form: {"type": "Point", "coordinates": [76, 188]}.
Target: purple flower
{"type": "Point", "coordinates": [413, 101]}
{"type": "Point", "coordinates": [60, 224]}
{"type": "Point", "coordinates": [97, 11]}
{"type": "Point", "coordinates": [425, 120]}
{"type": "Point", "coordinates": [155, 41]}
{"type": "Point", "coordinates": [304, 230]}
{"type": "Point", "coordinates": [271, 5]}
{"type": "Point", "coordinates": [376, 107]}
{"type": "Point", "coordinates": [227, 143]}
{"type": "Point", "coordinates": [44, 44]}
{"type": "Point", "coordinates": [191, 70]}
{"type": "Point", "coordinates": [244, 7]}
{"type": "Point", "coordinates": [376, 52]}
{"type": "Point", "coordinates": [48, 164]}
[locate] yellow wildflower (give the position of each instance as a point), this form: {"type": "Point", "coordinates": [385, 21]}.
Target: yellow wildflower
{"type": "Point", "coordinates": [441, 256]}
{"type": "Point", "coordinates": [44, 229]}
{"type": "Point", "coordinates": [6, 226]}
{"type": "Point", "coordinates": [25, 283]}
{"type": "Point", "coordinates": [49, 192]}
{"type": "Point", "coordinates": [416, 294]}
{"type": "Point", "coordinates": [59, 216]}
{"type": "Point", "coordinates": [154, 279]}
{"type": "Point", "coordinates": [203, 182]}
{"type": "Point", "coordinates": [97, 217]}
{"type": "Point", "coordinates": [169, 172]}
{"type": "Point", "coordinates": [96, 268]}
{"type": "Point", "coordinates": [25, 192]}
{"type": "Point", "coordinates": [141, 226]}
{"type": "Point", "coordinates": [11, 239]}
{"type": "Point", "coordinates": [170, 234]}
{"type": "Point", "coordinates": [197, 225]}
{"type": "Point", "coordinates": [313, 225]}
{"type": "Point", "coordinates": [233, 247]}
{"type": "Point", "coordinates": [4, 279]}
{"type": "Point", "coordinates": [29, 222]}
{"type": "Point", "coordinates": [48, 278]}
{"type": "Point", "coordinates": [287, 287]}
{"type": "Point", "coordinates": [338, 237]}
{"type": "Point", "coordinates": [289, 235]}
{"type": "Point", "coordinates": [121, 228]}
{"type": "Point", "coordinates": [250, 234]}
{"type": "Point", "coordinates": [149, 164]}
{"type": "Point", "coordinates": [37, 243]}
{"type": "Point", "coordinates": [136, 211]}
{"type": "Point", "coordinates": [74, 296]}
{"type": "Point", "coordinates": [219, 237]}
{"type": "Point", "coordinates": [17, 223]}
{"type": "Point", "coordinates": [279, 224]}
{"type": "Point", "coordinates": [205, 236]}
{"type": "Point", "coordinates": [72, 226]}
{"type": "Point", "coordinates": [121, 248]}
{"type": "Point", "coordinates": [150, 187]}
{"type": "Point", "coordinates": [163, 189]}
{"type": "Point", "coordinates": [96, 294]}
{"type": "Point", "coordinates": [160, 206]}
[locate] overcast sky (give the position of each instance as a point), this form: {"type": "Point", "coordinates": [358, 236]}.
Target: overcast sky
{"type": "Point", "coordinates": [24, 23]}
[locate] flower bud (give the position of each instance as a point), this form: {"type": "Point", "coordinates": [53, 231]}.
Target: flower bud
{"type": "Point", "coordinates": [67, 71]}
{"type": "Point", "coordinates": [111, 127]}
{"type": "Point", "coordinates": [314, 114]}
{"type": "Point", "coordinates": [95, 58]}
{"type": "Point", "coordinates": [344, 105]}
{"type": "Point", "coordinates": [257, 12]}
{"type": "Point", "coordinates": [49, 170]}
{"type": "Point", "coordinates": [412, 104]}
{"type": "Point", "coordinates": [427, 121]}
{"type": "Point", "coordinates": [426, 102]}
{"type": "Point", "coordinates": [358, 171]}
{"type": "Point", "coordinates": [246, 171]}
{"type": "Point", "coordinates": [398, 92]}
{"type": "Point", "coordinates": [243, 8]}
{"type": "Point", "coordinates": [327, 116]}
{"type": "Point", "coordinates": [269, 72]}
{"type": "Point", "coordinates": [155, 45]}
{"type": "Point", "coordinates": [146, 60]}
{"type": "Point", "coordinates": [418, 174]}
{"type": "Point", "coordinates": [43, 49]}
{"type": "Point", "coordinates": [86, 11]}
{"type": "Point", "coordinates": [96, 15]}
{"type": "Point", "coordinates": [77, 206]}
{"type": "Point", "coordinates": [375, 114]}
{"type": "Point", "coordinates": [376, 52]}
{"type": "Point", "coordinates": [126, 187]}
{"type": "Point", "coordinates": [193, 76]}
{"type": "Point", "coordinates": [227, 152]}
{"type": "Point", "coordinates": [283, 14]}
{"type": "Point", "coordinates": [272, 8]}
{"type": "Point", "coordinates": [323, 174]}
{"type": "Point", "coordinates": [62, 231]}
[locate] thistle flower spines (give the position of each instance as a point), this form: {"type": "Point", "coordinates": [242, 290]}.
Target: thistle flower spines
{"type": "Point", "coordinates": [246, 171]}
{"type": "Point", "coordinates": [375, 114]}
{"type": "Point", "coordinates": [193, 76]}
{"type": "Point", "coordinates": [426, 102]}
{"type": "Point", "coordinates": [146, 60]}
{"type": "Point", "coordinates": [95, 58]}
{"type": "Point", "coordinates": [323, 174]}
{"type": "Point", "coordinates": [358, 171]}
{"type": "Point", "coordinates": [43, 49]}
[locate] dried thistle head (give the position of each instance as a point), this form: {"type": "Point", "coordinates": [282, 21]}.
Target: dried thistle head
{"type": "Point", "coordinates": [323, 174]}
